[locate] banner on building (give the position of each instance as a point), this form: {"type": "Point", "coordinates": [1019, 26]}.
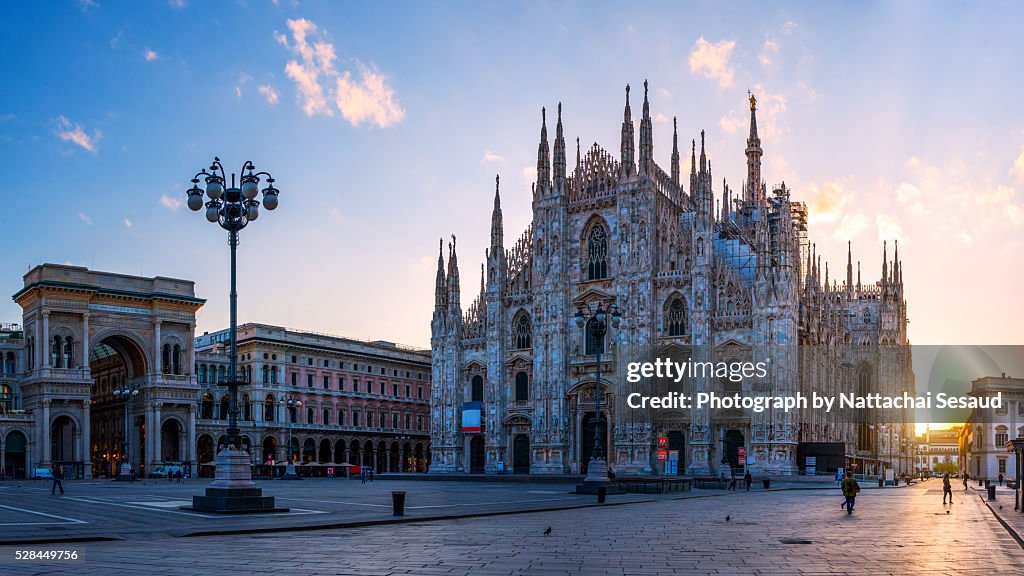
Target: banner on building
{"type": "Point", "coordinates": [471, 418]}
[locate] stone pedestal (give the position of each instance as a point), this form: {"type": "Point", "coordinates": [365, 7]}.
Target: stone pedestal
{"type": "Point", "coordinates": [233, 491]}
{"type": "Point", "coordinates": [125, 474]}
{"type": "Point", "coordinates": [290, 473]}
{"type": "Point", "coordinates": [597, 476]}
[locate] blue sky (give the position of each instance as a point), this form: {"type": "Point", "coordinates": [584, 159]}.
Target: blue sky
{"type": "Point", "coordinates": [892, 120]}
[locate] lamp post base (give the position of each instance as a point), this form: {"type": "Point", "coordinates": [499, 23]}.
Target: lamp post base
{"type": "Point", "coordinates": [233, 491]}
{"type": "Point", "coordinates": [289, 472]}
{"type": "Point", "coordinates": [125, 474]}
{"type": "Point", "coordinates": [597, 477]}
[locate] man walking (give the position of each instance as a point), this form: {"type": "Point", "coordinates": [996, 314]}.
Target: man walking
{"type": "Point", "coordinates": [850, 489]}
{"type": "Point", "coordinates": [1000, 479]}
{"type": "Point", "coordinates": [58, 474]}
{"type": "Point", "coordinates": [748, 480]}
{"type": "Point", "coordinates": [946, 489]}
{"type": "Point", "coordinates": [966, 478]}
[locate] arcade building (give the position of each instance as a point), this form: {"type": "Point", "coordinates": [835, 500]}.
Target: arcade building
{"type": "Point", "coordinates": [105, 369]}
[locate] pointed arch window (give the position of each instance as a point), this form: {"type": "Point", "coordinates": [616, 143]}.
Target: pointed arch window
{"type": "Point", "coordinates": [522, 387]}
{"type": "Point", "coordinates": [176, 360]}
{"type": "Point", "coordinates": [597, 253]}
{"type": "Point", "coordinates": [477, 389]}
{"type": "Point", "coordinates": [522, 332]}
{"type": "Point", "coordinates": [69, 352]}
{"type": "Point", "coordinates": [675, 317]}
{"type": "Point", "coordinates": [55, 352]}
{"type": "Point", "coordinates": [165, 358]}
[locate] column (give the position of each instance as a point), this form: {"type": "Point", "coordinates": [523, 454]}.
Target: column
{"type": "Point", "coordinates": [149, 438]}
{"type": "Point", "coordinates": [44, 435]}
{"type": "Point", "coordinates": [38, 363]}
{"type": "Point", "coordinates": [46, 347]}
{"type": "Point", "coordinates": [3, 456]}
{"type": "Point", "coordinates": [85, 340]}
{"type": "Point", "coordinates": [191, 350]}
{"type": "Point", "coordinates": [158, 355]}
{"type": "Point", "coordinates": [157, 447]}
{"type": "Point", "coordinates": [192, 434]}
{"type": "Point", "coordinates": [86, 440]}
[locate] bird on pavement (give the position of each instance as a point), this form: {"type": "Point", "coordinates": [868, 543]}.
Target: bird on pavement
{"type": "Point", "coordinates": [727, 518]}
{"type": "Point", "coordinates": [548, 531]}
{"type": "Point", "coordinates": [947, 511]}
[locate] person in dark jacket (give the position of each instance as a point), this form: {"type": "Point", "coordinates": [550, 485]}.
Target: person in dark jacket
{"type": "Point", "coordinates": [946, 488]}
{"type": "Point", "coordinates": [748, 480]}
{"type": "Point", "coordinates": [850, 489]}
{"type": "Point", "coordinates": [58, 474]}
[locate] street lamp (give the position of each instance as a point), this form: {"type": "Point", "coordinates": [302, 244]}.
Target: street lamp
{"type": "Point", "coordinates": [233, 208]}
{"type": "Point", "coordinates": [874, 447]}
{"type": "Point", "coordinates": [126, 467]}
{"type": "Point", "coordinates": [293, 404]}
{"type": "Point", "coordinates": [594, 323]}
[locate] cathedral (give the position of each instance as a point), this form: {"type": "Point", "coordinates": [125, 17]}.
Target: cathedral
{"type": "Point", "coordinates": [695, 273]}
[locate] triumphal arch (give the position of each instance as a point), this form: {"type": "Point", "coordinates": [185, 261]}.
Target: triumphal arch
{"type": "Point", "coordinates": [90, 337]}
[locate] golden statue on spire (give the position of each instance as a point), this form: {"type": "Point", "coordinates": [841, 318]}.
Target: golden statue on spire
{"type": "Point", "coordinates": [753, 101]}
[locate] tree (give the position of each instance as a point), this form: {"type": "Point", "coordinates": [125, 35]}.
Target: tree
{"type": "Point", "coordinates": [943, 467]}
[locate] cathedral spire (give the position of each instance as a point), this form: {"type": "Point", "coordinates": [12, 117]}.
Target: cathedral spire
{"type": "Point", "coordinates": [497, 226]}
{"type": "Point", "coordinates": [559, 153]}
{"type": "Point", "coordinates": [454, 295]}
{"type": "Point", "coordinates": [440, 288]}
{"type": "Point", "coordinates": [752, 189]}
{"type": "Point", "coordinates": [577, 156]}
{"type": "Point", "coordinates": [725, 201]}
{"type": "Point", "coordinates": [693, 167]}
{"type": "Point", "coordinates": [849, 267]}
{"type": "Point", "coordinates": [543, 156]}
{"type": "Point", "coordinates": [646, 136]}
{"type": "Point", "coordinates": [885, 263]}
{"type": "Point", "coordinates": [626, 150]}
{"type": "Point", "coordinates": [675, 152]}
{"type": "Point", "coordinates": [858, 279]}
{"type": "Point", "coordinates": [703, 156]}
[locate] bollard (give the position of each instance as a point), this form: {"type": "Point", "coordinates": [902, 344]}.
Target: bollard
{"type": "Point", "coordinates": [991, 492]}
{"type": "Point", "coordinates": [398, 503]}
{"type": "Point", "coordinates": [880, 482]}
{"type": "Point", "coordinates": [766, 483]}
{"type": "Point", "coordinates": [602, 493]}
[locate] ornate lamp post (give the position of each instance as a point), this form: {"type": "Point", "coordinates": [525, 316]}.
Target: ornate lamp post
{"type": "Point", "coordinates": [293, 404]}
{"type": "Point", "coordinates": [129, 394]}
{"type": "Point", "coordinates": [594, 323]}
{"type": "Point", "coordinates": [233, 208]}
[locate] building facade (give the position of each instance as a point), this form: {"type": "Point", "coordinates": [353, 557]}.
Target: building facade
{"type": "Point", "coordinates": [938, 447]}
{"type": "Point", "coordinates": [88, 337]}
{"type": "Point", "coordinates": [983, 439]}
{"type": "Point", "coordinates": [734, 281]}
{"type": "Point", "coordinates": [355, 402]}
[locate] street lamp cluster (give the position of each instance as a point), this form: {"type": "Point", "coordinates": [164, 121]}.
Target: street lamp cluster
{"type": "Point", "coordinates": [129, 394]}
{"type": "Point", "coordinates": [595, 320]}
{"type": "Point", "coordinates": [233, 208]}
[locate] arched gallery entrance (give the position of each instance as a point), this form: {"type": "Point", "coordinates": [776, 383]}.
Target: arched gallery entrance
{"type": "Point", "coordinates": [476, 455]}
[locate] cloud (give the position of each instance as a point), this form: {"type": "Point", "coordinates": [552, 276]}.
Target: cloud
{"type": "Point", "coordinates": [491, 157]}
{"type": "Point", "coordinates": [850, 226]}
{"type": "Point", "coordinates": [966, 238]}
{"type": "Point", "coordinates": [529, 174]}
{"type": "Point", "coordinates": [768, 51]}
{"type": "Point", "coordinates": [176, 4]}
{"type": "Point", "coordinates": [660, 118]}
{"type": "Point", "coordinates": [360, 97]}
{"type": "Point", "coordinates": [663, 93]}
{"type": "Point", "coordinates": [1018, 166]}
{"type": "Point", "coordinates": [827, 201]}
{"type": "Point", "coordinates": [71, 132]}
{"type": "Point", "coordinates": [150, 55]}
{"type": "Point", "coordinates": [86, 5]}
{"type": "Point", "coordinates": [85, 218]}
{"type": "Point", "coordinates": [128, 223]}
{"type": "Point", "coordinates": [116, 40]}
{"type": "Point", "coordinates": [788, 27]}
{"type": "Point", "coordinates": [712, 60]}
{"type": "Point", "coordinates": [171, 203]}
{"type": "Point", "coordinates": [369, 98]}
{"type": "Point", "coordinates": [243, 79]}
{"type": "Point", "coordinates": [268, 93]}
{"type": "Point", "coordinates": [889, 228]}
{"type": "Point", "coordinates": [1015, 213]}
{"type": "Point", "coordinates": [910, 196]}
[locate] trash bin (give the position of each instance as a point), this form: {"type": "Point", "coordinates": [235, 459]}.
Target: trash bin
{"type": "Point", "coordinates": [766, 482]}
{"type": "Point", "coordinates": [602, 493]}
{"type": "Point", "coordinates": [991, 492]}
{"type": "Point", "coordinates": [398, 503]}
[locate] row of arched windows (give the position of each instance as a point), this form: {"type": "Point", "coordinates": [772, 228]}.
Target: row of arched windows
{"type": "Point", "coordinates": [62, 352]}
{"type": "Point", "coordinates": [521, 392]}
{"type": "Point", "coordinates": [171, 358]}
{"type": "Point", "coordinates": [211, 374]}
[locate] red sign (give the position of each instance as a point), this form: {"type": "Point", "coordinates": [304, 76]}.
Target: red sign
{"type": "Point", "coordinates": [662, 454]}
{"type": "Point", "coordinates": [330, 471]}
{"type": "Point", "coordinates": [743, 460]}
{"type": "Point", "coordinates": [662, 442]}
{"type": "Point", "coordinates": [742, 451]}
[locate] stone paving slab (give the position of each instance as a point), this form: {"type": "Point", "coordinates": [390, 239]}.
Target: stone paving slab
{"type": "Point", "coordinates": [891, 532]}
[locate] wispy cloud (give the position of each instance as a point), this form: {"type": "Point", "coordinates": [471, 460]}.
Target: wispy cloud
{"type": "Point", "coordinates": [150, 55]}
{"type": "Point", "coordinates": [86, 5]}
{"type": "Point", "coordinates": [176, 4]}
{"type": "Point", "coordinates": [361, 97]}
{"type": "Point", "coordinates": [889, 228]}
{"type": "Point", "coordinates": [490, 157]}
{"type": "Point", "coordinates": [768, 51]}
{"type": "Point", "coordinates": [1017, 170]}
{"type": "Point", "coordinates": [84, 218]}
{"type": "Point", "coordinates": [171, 203]}
{"type": "Point", "coordinates": [827, 201]}
{"type": "Point", "coordinates": [269, 93]}
{"type": "Point", "coordinates": [712, 61]}
{"type": "Point", "coordinates": [128, 223]}
{"type": "Point", "coordinates": [68, 131]}
{"type": "Point", "coordinates": [243, 79]}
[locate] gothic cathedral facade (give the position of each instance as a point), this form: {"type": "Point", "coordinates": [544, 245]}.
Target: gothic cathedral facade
{"type": "Point", "coordinates": [736, 280]}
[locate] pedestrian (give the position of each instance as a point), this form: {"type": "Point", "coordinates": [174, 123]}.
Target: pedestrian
{"type": "Point", "coordinates": [946, 488]}
{"type": "Point", "coordinates": [748, 480]}
{"type": "Point", "coordinates": [131, 474]}
{"type": "Point", "coordinates": [966, 478]}
{"type": "Point", "coordinates": [371, 474]}
{"type": "Point", "coordinates": [850, 489]}
{"type": "Point", "coordinates": [362, 476]}
{"type": "Point", "coordinates": [178, 475]}
{"type": "Point", "coordinates": [170, 475]}
{"type": "Point", "coordinates": [58, 474]}
{"type": "Point", "coordinates": [732, 481]}
{"type": "Point", "coordinates": [1000, 479]}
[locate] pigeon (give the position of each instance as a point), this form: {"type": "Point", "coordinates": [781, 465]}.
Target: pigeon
{"type": "Point", "coordinates": [548, 531]}
{"type": "Point", "coordinates": [947, 511]}
{"type": "Point", "coordinates": [727, 518]}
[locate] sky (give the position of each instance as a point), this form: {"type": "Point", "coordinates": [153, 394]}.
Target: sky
{"type": "Point", "coordinates": [385, 123]}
